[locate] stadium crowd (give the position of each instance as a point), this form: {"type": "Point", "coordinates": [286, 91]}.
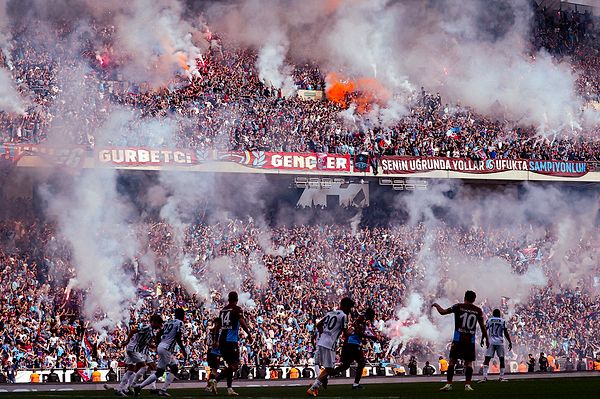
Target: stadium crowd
{"type": "Point", "coordinates": [226, 106]}
{"type": "Point", "coordinates": [307, 268]}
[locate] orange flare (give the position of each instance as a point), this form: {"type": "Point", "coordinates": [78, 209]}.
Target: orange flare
{"type": "Point", "coordinates": [183, 60]}
{"type": "Point", "coordinates": [364, 92]}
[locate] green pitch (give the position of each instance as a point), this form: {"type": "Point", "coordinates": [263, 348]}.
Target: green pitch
{"type": "Point", "coordinates": [546, 389]}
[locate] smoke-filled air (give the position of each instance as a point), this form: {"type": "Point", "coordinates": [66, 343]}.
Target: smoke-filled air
{"type": "Point", "coordinates": [158, 155]}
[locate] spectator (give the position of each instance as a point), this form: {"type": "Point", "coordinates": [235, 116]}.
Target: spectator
{"type": "Point", "coordinates": [543, 362]}
{"type": "Point", "coordinates": [443, 365]}
{"type": "Point", "coordinates": [194, 372]}
{"type": "Point", "coordinates": [307, 372]}
{"type": "Point", "coordinates": [294, 373]}
{"type": "Point", "coordinates": [52, 376]}
{"type": "Point", "coordinates": [412, 366]}
{"type": "Point", "coordinates": [96, 375]}
{"type": "Point", "coordinates": [75, 376]}
{"type": "Point", "coordinates": [184, 375]}
{"type": "Point", "coordinates": [428, 369]}
{"type": "Point", "coordinates": [111, 375]}
{"type": "Point", "coordinates": [522, 367]}
{"type": "Point", "coordinates": [11, 374]}
{"type": "Point", "coordinates": [531, 364]}
{"type": "Point", "coordinates": [34, 377]}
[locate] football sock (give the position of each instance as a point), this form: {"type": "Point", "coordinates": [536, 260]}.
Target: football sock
{"type": "Point", "coordinates": [222, 374]}
{"type": "Point", "coordinates": [137, 376]}
{"type": "Point", "coordinates": [468, 374]}
{"type": "Point", "coordinates": [485, 370]}
{"type": "Point", "coordinates": [168, 380]}
{"type": "Point", "coordinates": [358, 376]}
{"type": "Point", "coordinates": [152, 378]}
{"type": "Point", "coordinates": [229, 380]}
{"type": "Point", "coordinates": [450, 374]}
{"type": "Point", "coordinates": [502, 372]}
{"type": "Point", "coordinates": [125, 380]}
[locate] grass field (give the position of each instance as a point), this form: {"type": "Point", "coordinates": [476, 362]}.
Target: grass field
{"type": "Point", "coordinates": [550, 388]}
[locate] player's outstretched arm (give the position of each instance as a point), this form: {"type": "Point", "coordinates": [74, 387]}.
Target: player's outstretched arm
{"type": "Point", "coordinates": [484, 334]}
{"type": "Point", "coordinates": [507, 336]}
{"type": "Point", "coordinates": [129, 336]}
{"type": "Point", "coordinates": [320, 325]}
{"type": "Point", "coordinates": [441, 310]}
{"type": "Point", "coordinates": [159, 335]}
{"type": "Point", "coordinates": [246, 329]}
{"type": "Point", "coordinates": [179, 340]}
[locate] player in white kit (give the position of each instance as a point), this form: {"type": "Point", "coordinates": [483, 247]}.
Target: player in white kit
{"type": "Point", "coordinates": [170, 335]}
{"type": "Point", "coordinates": [330, 328]}
{"type": "Point", "coordinates": [496, 328]}
{"type": "Point", "coordinates": [137, 346]}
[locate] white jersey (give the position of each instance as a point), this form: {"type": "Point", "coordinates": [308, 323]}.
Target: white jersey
{"type": "Point", "coordinates": [495, 327]}
{"type": "Point", "coordinates": [141, 340]}
{"type": "Point", "coordinates": [333, 324]}
{"type": "Point", "coordinates": [170, 330]}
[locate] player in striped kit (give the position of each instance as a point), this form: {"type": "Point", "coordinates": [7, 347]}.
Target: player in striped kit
{"type": "Point", "coordinates": [330, 327]}
{"type": "Point", "coordinates": [137, 346]}
{"type": "Point", "coordinates": [213, 355]}
{"type": "Point", "coordinates": [497, 331]}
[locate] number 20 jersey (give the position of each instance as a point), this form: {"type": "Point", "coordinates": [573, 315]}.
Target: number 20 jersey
{"type": "Point", "coordinates": [333, 324]}
{"type": "Point", "coordinates": [466, 318]}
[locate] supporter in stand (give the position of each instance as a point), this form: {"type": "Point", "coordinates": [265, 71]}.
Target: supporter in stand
{"type": "Point", "coordinates": [43, 326]}
{"type": "Point", "coordinates": [228, 108]}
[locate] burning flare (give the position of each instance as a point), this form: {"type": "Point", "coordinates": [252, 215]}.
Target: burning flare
{"type": "Point", "coordinates": [364, 92]}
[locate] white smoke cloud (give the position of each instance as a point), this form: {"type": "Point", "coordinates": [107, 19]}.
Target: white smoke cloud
{"type": "Point", "coordinates": [92, 216]}
{"type": "Point", "coordinates": [443, 275]}
{"type": "Point", "coordinates": [10, 100]}
{"type": "Point", "coordinates": [475, 53]}
{"type": "Point", "coordinates": [157, 41]}
{"type": "Point", "coordinates": [272, 68]}
{"type": "Point", "coordinates": [412, 322]}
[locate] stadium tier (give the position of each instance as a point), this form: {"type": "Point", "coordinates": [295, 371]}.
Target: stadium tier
{"type": "Point", "coordinates": [203, 190]}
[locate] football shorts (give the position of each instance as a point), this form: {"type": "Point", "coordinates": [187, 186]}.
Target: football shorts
{"type": "Point", "coordinates": [132, 357]}
{"type": "Point", "coordinates": [495, 349]}
{"type": "Point", "coordinates": [325, 357]}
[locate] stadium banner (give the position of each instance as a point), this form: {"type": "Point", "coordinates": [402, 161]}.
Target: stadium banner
{"type": "Point", "coordinates": [361, 163]}
{"type": "Point", "coordinates": [288, 160]}
{"type": "Point", "coordinates": [141, 156]}
{"type": "Point", "coordinates": [310, 94]}
{"type": "Point", "coordinates": [392, 165]}
{"type": "Point", "coordinates": [70, 156]}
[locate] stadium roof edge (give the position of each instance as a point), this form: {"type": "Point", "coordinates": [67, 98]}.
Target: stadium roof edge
{"type": "Point", "coordinates": [592, 6]}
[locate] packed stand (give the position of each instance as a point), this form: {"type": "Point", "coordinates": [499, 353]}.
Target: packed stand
{"type": "Point", "coordinates": [309, 269]}
{"type": "Point", "coordinates": [227, 107]}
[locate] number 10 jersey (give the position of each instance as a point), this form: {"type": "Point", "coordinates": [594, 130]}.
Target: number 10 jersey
{"type": "Point", "coordinates": [466, 317]}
